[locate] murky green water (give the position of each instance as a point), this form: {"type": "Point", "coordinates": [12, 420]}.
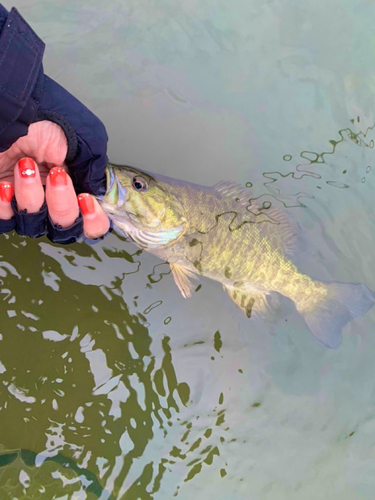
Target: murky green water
{"type": "Point", "coordinates": [114, 387]}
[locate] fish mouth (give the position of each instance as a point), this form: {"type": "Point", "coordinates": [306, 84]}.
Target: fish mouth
{"type": "Point", "coordinates": [114, 199]}
{"type": "Point", "coordinates": [111, 179]}
{"type": "Point", "coordinates": [116, 194]}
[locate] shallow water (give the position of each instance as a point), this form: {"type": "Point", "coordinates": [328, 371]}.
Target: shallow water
{"type": "Point", "coordinates": [115, 387]}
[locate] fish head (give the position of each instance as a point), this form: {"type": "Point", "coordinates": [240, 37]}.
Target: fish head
{"type": "Point", "coordinates": [142, 206]}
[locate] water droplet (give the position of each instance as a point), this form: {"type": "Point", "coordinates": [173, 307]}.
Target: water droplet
{"type": "Point", "coordinates": [287, 157]}
{"type": "Point", "coordinates": [249, 184]}
{"type": "Point", "coordinates": [266, 205]}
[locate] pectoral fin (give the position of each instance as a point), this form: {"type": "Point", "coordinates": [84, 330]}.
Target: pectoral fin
{"type": "Point", "coordinates": [182, 276]}
{"type": "Point", "coordinates": [251, 302]}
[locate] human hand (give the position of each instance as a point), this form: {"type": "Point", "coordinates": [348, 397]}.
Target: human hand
{"type": "Point", "coordinates": [31, 162]}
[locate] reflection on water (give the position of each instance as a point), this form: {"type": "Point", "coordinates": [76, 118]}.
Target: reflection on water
{"type": "Point", "coordinates": [82, 387]}
{"type": "Point", "coordinates": [82, 383]}
{"type": "Point", "coordinates": [115, 387]}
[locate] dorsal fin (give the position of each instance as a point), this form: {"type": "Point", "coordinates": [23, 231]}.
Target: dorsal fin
{"type": "Point", "coordinates": [257, 213]}
{"type": "Point", "coordinates": [284, 228]}
{"type": "Point", "coordinates": [234, 191]}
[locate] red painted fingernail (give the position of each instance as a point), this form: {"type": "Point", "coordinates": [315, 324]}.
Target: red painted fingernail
{"type": "Point", "coordinates": [58, 177]}
{"type": "Point", "coordinates": [86, 204]}
{"type": "Point", "coordinates": [27, 168]}
{"type": "Point", "coordinates": [6, 191]}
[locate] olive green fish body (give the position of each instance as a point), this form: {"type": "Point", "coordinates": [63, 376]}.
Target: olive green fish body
{"type": "Point", "coordinates": [226, 242]}
{"type": "Point", "coordinates": [220, 233]}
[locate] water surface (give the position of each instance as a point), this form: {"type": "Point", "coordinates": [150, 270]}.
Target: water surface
{"type": "Point", "coordinates": [115, 387]}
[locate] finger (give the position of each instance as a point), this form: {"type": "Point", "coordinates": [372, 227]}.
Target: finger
{"type": "Point", "coordinates": [6, 195]}
{"type": "Point", "coordinates": [61, 198]}
{"type": "Point", "coordinates": [95, 221]}
{"type": "Point", "coordinates": [28, 186]}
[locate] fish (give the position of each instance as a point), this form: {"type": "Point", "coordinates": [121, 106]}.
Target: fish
{"type": "Point", "coordinates": [219, 232]}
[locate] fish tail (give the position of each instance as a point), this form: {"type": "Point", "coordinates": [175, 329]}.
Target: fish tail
{"type": "Point", "coordinates": [342, 303]}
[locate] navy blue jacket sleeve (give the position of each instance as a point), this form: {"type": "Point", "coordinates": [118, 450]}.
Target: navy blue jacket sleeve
{"type": "Point", "coordinates": [27, 95]}
{"type": "Point", "coordinates": [21, 53]}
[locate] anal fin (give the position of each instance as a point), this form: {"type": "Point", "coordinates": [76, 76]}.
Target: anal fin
{"type": "Point", "coordinates": [253, 303]}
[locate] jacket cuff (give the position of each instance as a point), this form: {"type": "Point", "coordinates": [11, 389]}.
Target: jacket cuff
{"type": "Point", "coordinates": [7, 225]}
{"type": "Point", "coordinates": [39, 223]}
{"type": "Point", "coordinates": [33, 225]}
{"type": "Point", "coordinates": [64, 236]}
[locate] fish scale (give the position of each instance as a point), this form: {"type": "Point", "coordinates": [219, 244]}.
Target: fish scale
{"type": "Point", "coordinates": [222, 234]}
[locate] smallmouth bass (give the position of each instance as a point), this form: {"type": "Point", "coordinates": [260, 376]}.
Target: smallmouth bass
{"type": "Point", "coordinates": [216, 232]}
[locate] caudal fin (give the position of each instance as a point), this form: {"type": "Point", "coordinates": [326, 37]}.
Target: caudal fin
{"type": "Point", "coordinates": [344, 302]}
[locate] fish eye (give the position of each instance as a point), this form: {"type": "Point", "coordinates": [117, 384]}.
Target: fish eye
{"type": "Point", "coordinates": [139, 183]}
